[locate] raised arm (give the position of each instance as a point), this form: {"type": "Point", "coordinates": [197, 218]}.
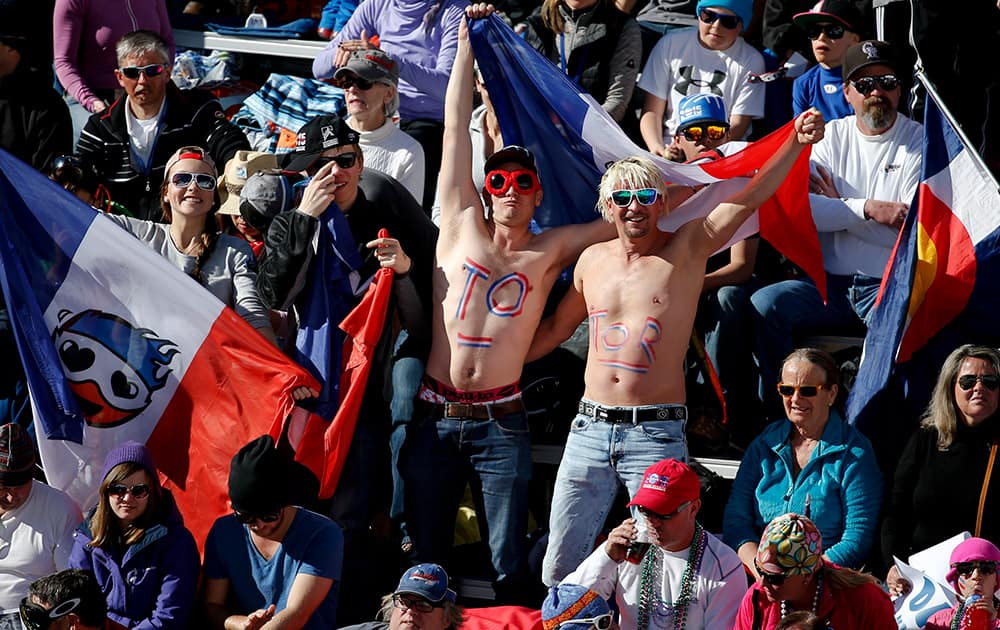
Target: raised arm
{"type": "Point", "coordinates": [720, 225]}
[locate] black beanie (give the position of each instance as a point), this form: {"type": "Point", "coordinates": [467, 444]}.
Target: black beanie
{"type": "Point", "coordinates": [259, 478]}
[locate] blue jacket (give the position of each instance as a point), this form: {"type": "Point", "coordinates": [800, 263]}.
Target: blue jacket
{"type": "Point", "coordinates": [841, 478]}
{"type": "Point", "coordinates": [153, 584]}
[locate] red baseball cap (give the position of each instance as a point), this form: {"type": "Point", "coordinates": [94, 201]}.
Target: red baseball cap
{"type": "Point", "coordinates": [666, 485]}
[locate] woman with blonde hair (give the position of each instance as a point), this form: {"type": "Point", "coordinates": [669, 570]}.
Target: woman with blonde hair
{"type": "Point", "coordinates": [945, 481]}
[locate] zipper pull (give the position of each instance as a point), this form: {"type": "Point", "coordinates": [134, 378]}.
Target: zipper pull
{"type": "Point", "coordinates": [147, 185]}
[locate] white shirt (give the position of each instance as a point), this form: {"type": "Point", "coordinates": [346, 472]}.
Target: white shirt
{"type": "Point", "coordinates": [718, 589]}
{"type": "Point", "coordinates": [35, 540]}
{"type": "Point", "coordinates": [142, 133]}
{"type": "Point", "coordinates": [392, 151]}
{"type": "Point", "coordinates": [680, 65]}
{"type": "Point", "coordinates": [885, 167]}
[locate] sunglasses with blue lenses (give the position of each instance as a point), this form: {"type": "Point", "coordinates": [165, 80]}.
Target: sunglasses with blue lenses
{"type": "Point", "coordinates": [727, 21]}
{"type": "Point", "coordinates": [203, 180]}
{"type": "Point", "coordinates": [645, 196]}
{"type": "Point", "coordinates": [866, 85]}
{"type": "Point", "coordinates": [152, 70]}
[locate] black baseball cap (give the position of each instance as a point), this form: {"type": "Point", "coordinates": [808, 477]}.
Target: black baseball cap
{"type": "Point", "coordinates": [511, 153]}
{"type": "Point", "coordinates": [869, 53]}
{"type": "Point", "coordinates": [840, 12]}
{"type": "Point", "coordinates": [318, 135]}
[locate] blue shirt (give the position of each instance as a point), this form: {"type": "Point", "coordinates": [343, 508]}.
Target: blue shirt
{"type": "Point", "coordinates": [822, 88]}
{"type": "Point", "coordinates": [313, 545]}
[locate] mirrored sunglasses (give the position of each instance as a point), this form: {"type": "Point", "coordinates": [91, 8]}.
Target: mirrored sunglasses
{"type": "Point", "coordinates": [806, 391]}
{"type": "Point", "coordinates": [344, 160]}
{"type": "Point", "coordinates": [866, 85]}
{"type": "Point", "coordinates": [646, 512]}
{"type": "Point", "coordinates": [645, 196]}
{"type": "Point", "coordinates": [203, 180]}
{"type": "Point", "coordinates": [499, 181]}
{"type": "Point", "coordinates": [413, 602]}
{"type": "Point", "coordinates": [248, 518]}
{"type": "Point", "coordinates": [353, 80]}
{"type": "Point", "coordinates": [774, 579]}
{"type": "Point", "coordinates": [989, 381]}
{"type": "Point", "coordinates": [152, 70]}
{"type": "Point", "coordinates": [694, 133]}
{"type": "Point", "coordinates": [601, 622]}
{"type": "Point", "coordinates": [727, 21]}
{"type": "Point", "coordinates": [966, 568]}
{"type": "Point", "coordinates": [832, 31]}
{"type": "Point", "coordinates": [138, 491]}
{"type": "Point", "coordinates": [34, 617]}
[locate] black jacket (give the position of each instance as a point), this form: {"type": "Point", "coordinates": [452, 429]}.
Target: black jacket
{"type": "Point", "coordinates": [35, 124]}
{"type": "Point", "coordinates": [191, 119]}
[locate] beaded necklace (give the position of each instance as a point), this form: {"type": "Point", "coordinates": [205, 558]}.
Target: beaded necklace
{"type": "Point", "coordinates": [816, 596]}
{"type": "Point", "coordinates": [650, 580]}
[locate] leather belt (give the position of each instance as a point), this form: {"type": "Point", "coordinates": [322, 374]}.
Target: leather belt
{"type": "Point", "coordinates": [478, 411]}
{"type": "Point", "coordinates": [633, 415]}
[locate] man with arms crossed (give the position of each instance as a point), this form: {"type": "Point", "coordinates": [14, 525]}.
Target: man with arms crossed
{"type": "Point", "coordinates": [640, 293]}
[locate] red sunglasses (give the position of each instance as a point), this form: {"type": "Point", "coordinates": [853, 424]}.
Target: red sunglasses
{"type": "Point", "coordinates": [499, 181]}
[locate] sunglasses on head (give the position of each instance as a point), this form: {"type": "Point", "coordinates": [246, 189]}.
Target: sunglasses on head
{"type": "Point", "coordinates": [985, 567]}
{"type": "Point", "coordinates": [203, 180]}
{"type": "Point", "coordinates": [648, 513]}
{"type": "Point", "coordinates": [353, 80]}
{"type": "Point", "coordinates": [601, 622]}
{"type": "Point", "coordinates": [989, 381]}
{"type": "Point", "coordinates": [807, 391]}
{"type": "Point", "coordinates": [833, 31]}
{"type": "Point", "coordinates": [694, 133]}
{"type": "Point", "coordinates": [152, 70]}
{"type": "Point", "coordinates": [344, 160]}
{"type": "Point", "coordinates": [138, 491]}
{"type": "Point", "coordinates": [499, 181]}
{"type": "Point", "coordinates": [248, 518]}
{"type": "Point", "coordinates": [727, 21]}
{"type": "Point", "coordinates": [413, 602]}
{"type": "Point", "coordinates": [774, 579]}
{"type": "Point", "coordinates": [866, 85]}
{"type": "Point", "coordinates": [645, 196]}
{"type": "Point", "coordinates": [34, 617]}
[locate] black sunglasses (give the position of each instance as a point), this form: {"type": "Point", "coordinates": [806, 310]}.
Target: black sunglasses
{"type": "Point", "coordinates": [727, 21]}
{"type": "Point", "coordinates": [138, 491]}
{"type": "Point", "coordinates": [414, 602]}
{"type": "Point", "coordinates": [989, 381]}
{"type": "Point", "coordinates": [806, 391]}
{"type": "Point", "coordinates": [833, 31]}
{"type": "Point", "coordinates": [344, 160]}
{"type": "Point", "coordinates": [774, 579]}
{"type": "Point", "coordinates": [985, 567]}
{"type": "Point", "coordinates": [662, 517]}
{"type": "Point", "coordinates": [353, 80]}
{"type": "Point", "coordinates": [152, 70]}
{"type": "Point", "coordinates": [866, 85]}
{"type": "Point", "coordinates": [247, 518]}
{"type": "Point", "coordinates": [34, 617]}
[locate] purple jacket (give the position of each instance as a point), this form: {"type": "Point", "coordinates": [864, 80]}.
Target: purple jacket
{"type": "Point", "coordinates": [152, 584]}
{"type": "Point", "coordinates": [425, 57]}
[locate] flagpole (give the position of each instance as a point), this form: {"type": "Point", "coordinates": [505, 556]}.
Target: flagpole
{"type": "Point", "coordinates": [932, 92]}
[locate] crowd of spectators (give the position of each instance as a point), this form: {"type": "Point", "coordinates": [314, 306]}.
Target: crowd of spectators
{"type": "Point", "coordinates": [414, 177]}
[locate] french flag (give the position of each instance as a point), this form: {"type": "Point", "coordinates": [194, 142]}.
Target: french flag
{"type": "Point", "coordinates": [941, 287]}
{"type": "Point", "coordinates": [117, 345]}
{"type": "Point", "coordinates": [574, 141]}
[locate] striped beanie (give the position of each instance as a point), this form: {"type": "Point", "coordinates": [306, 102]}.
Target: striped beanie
{"type": "Point", "coordinates": [17, 456]}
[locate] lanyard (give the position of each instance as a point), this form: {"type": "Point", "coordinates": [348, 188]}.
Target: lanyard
{"type": "Point", "coordinates": [563, 62]}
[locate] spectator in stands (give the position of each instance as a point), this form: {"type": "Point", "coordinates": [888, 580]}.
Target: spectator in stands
{"type": "Point", "coordinates": [699, 580]}
{"type": "Point", "coordinates": [812, 462]}
{"type": "Point", "coordinates": [38, 520]}
{"type": "Point", "coordinates": [492, 279]}
{"type": "Point", "coordinates": [190, 240]}
{"type": "Point", "coordinates": [595, 44]}
{"type": "Point", "coordinates": [711, 59]}
{"type": "Point", "coordinates": [782, 38]}
{"type": "Point", "coordinates": [702, 127]}
{"type": "Point", "coordinates": [271, 561]}
{"type": "Point", "coordinates": [422, 37]}
{"type": "Point", "coordinates": [938, 490]}
{"type": "Point", "coordinates": [77, 177]}
{"type": "Point", "coordinates": [136, 544]}
{"type": "Point", "coordinates": [86, 35]}
{"type": "Point", "coordinates": [832, 26]}
{"type": "Point", "coordinates": [34, 124]}
{"type": "Point", "coordinates": [422, 600]}
{"type": "Point", "coordinates": [633, 410]}
{"type": "Point", "coordinates": [130, 142]}
{"type": "Point", "coordinates": [574, 607]}
{"type": "Point", "coordinates": [867, 170]}
{"type": "Point", "coordinates": [73, 595]}
{"type": "Point", "coordinates": [234, 177]}
{"type": "Point", "coordinates": [974, 563]}
{"type": "Point", "coordinates": [794, 575]}
{"type": "Point", "coordinates": [371, 89]}
{"type": "Point", "coordinates": [265, 195]}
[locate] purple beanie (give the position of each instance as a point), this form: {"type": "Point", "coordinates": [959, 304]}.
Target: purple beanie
{"type": "Point", "coordinates": [130, 452]}
{"type": "Point", "coordinates": [969, 550]}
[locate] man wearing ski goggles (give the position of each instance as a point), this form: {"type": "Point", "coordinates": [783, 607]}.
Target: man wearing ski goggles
{"type": "Point", "coordinates": [702, 127]}
{"type": "Point", "coordinates": [70, 599]}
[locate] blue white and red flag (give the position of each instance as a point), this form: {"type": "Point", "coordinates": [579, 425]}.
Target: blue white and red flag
{"type": "Point", "coordinates": [119, 345]}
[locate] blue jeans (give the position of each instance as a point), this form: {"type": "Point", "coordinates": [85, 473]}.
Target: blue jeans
{"type": "Point", "coordinates": [598, 457]}
{"type": "Point", "coordinates": [792, 307]}
{"type": "Point", "coordinates": [406, 375]}
{"type": "Point", "coordinates": [724, 318]}
{"type": "Point", "coordinates": [440, 456]}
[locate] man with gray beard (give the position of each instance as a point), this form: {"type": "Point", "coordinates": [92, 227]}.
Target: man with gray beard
{"type": "Point", "coordinates": [865, 172]}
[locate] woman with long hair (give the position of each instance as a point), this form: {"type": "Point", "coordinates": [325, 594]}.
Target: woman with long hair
{"type": "Point", "coordinates": [135, 543]}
